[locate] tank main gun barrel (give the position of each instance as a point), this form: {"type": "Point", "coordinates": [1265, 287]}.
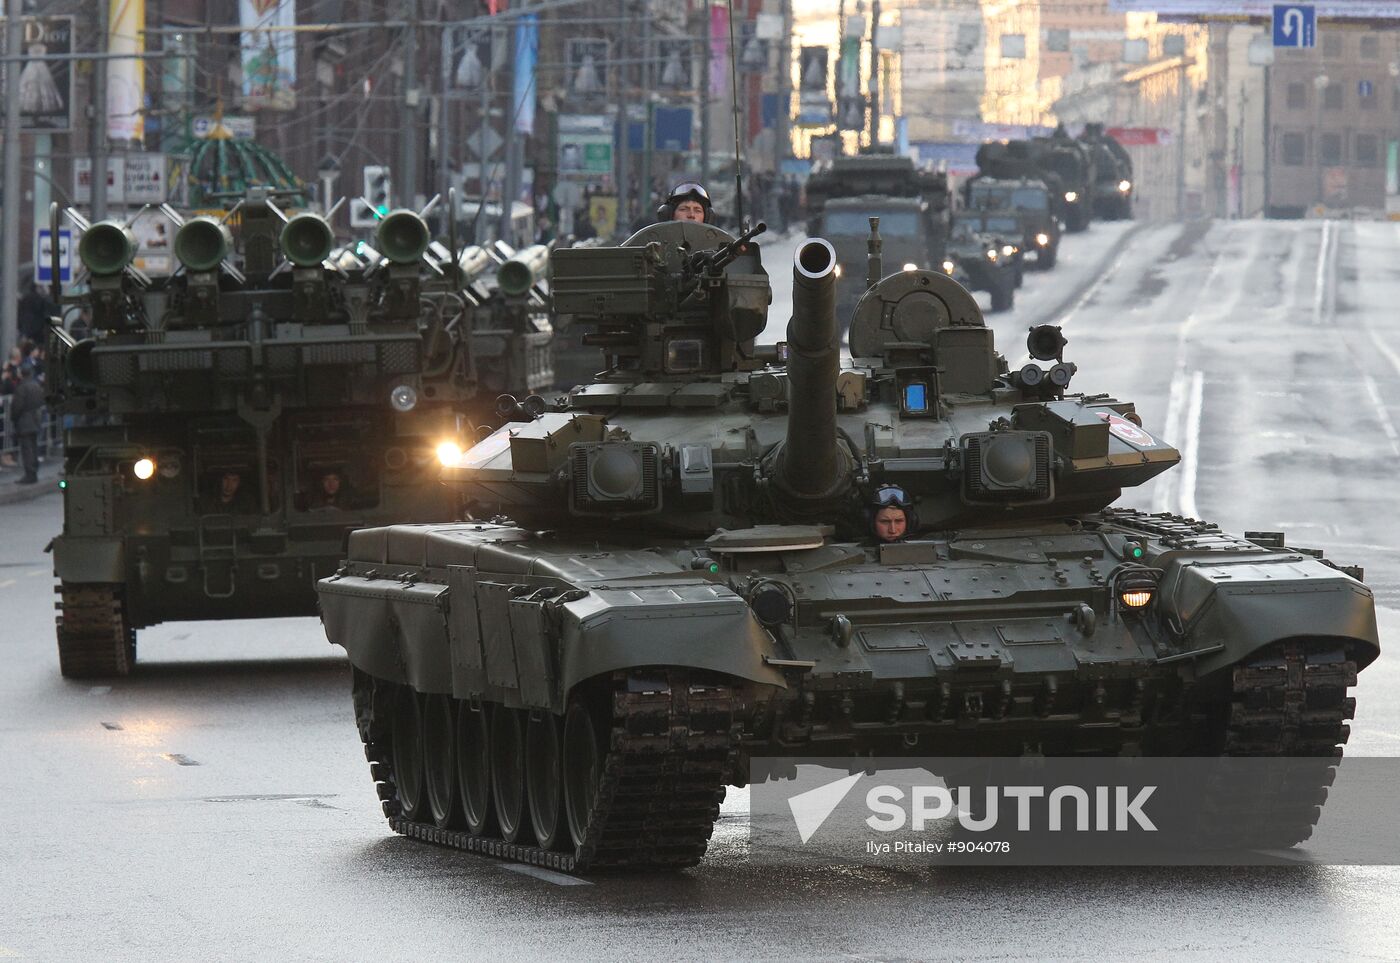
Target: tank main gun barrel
{"type": "Point", "coordinates": [811, 465]}
{"type": "Point", "coordinates": [520, 273]}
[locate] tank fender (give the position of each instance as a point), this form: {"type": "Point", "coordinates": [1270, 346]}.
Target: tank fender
{"type": "Point", "coordinates": [697, 625]}
{"type": "Point", "coordinates": [89, 559]}
{"type": "Point", "coordinates": [391, 629]}
{"type": "Point", "coordinates": [1246, 605]}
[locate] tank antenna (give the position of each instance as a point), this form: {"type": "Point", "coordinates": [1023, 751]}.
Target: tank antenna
{"type": "Point", "coordinates": [738, 144]}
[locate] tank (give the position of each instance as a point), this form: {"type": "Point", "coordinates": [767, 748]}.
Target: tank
{"type": "Point", "coordinates": [672, 571]}
{"type": "Point", "coordinates": [229, 424]}
{"type": "Point", "coordinates": [1113, 174]}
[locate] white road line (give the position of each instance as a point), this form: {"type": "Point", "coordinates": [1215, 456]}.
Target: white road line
{"type": "Point", "coordinates": [548, 875]}
{"type": "Point", "coordinates": [1162, 499]}
{"type": "Point", "coordinates": [1191, 449]}
{"type": "Point", "coordinates": [1320, 282]}
{"type": "Point", "coordinates": [1093, 289]}
{"type": "Point", "coordinates": [1387, 425]}
{"type": "Point", "coordinates": [7, 583]}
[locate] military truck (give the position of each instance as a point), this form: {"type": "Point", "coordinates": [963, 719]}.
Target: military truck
{"type": "Point", "coordinates": [989, 262]}
{"type": "Point", "coordinates": [912, 204]}
{"type": "Point", "coordinates": [1113, 174]}
{"type": "Point", "coordinates": [233, 421]}
{"type": "Point", "coordinates": [1021, 208]}
{"type": "Point", "coordinates": [1064, 164]}
{"type": "Point", "coordinates": [673, 572]}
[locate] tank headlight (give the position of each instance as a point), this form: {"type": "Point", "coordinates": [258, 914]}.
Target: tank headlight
{"type": "Point", "coordinates": [1071, 196]}
{"type": "Point", "coordinates": [448, 453]}
{"type": "Point", "coordinates": [1042, 239]}
{"type": "Point", "coordinates": [404, 398]}
{"type": "Point", "coordinates": [838, 270]}
{"type": "Point", "coordinates": [1007, 250]}
{"type": "Point", "coordinates": [911, 267]}
{"type": "Point", "coordinates": [1136, 598]}
{"type": "Point", "coordinates": [948, 267]}
{"type": "Point", "coordinates": [1125, 186]}
{"type": "Point", "coordinates": [991, 254]}
{"type": "Point", "coordinates": [144, 468]}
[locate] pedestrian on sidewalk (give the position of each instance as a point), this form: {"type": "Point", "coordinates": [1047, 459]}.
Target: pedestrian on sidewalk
{"type": "Point", "coordinates": [26, 411]}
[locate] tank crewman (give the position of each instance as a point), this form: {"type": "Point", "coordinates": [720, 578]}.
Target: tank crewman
{"type": "Point", "coordinates": [892, 517]}
{"type": "Point", "coordinates": [232, 497]}
{"type": "Point", "coordinates": [330, 492]}
{"type": "Point", "coordinates": [687, 202]}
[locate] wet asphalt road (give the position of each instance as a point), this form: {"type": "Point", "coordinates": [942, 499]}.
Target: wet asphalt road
{"type": "Point", "coordinates": [216, 805]}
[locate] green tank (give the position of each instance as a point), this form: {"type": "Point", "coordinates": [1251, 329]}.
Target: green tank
{"type": "Point", "coordinates": [232, 422]}
{"type": "Point", "coordinates": [672, 571]}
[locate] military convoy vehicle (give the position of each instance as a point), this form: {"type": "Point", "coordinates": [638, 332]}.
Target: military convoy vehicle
{"type": "Point", "coordinates": [1020, 208]}
{"type": "Point", "coordinates": [1062, 163]}
{"type": "Point", "coordinates": [912, 204]}
{"type": "Point", "coordinates": [671, 572]}
{"type": "Point", "coordinates": [989, 261]}
{"type": "Point", "coordinates": [233, 421]}
{"type": "Point", "coordinates": [1113, 174]}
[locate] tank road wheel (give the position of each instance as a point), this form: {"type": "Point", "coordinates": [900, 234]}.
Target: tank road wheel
{"type": "Point", "coordinates": [508, 771]}
{"type": "Point", "coordinates": [440, 760]}
{"type": "Point", "coordinates": [544, 780]}
{"type": "Point", "coordinates": [408, 754]}
{"type": "Point", "coordinates": [474, 769]}
{"type": "Point", "coordinates": [583, 767]}
{"type": "Point", "coordinates": [95, 641]}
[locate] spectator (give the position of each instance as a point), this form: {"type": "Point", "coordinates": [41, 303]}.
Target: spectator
{"type": "Point", "coordinates": [26, 412]}
{"type": "Point", "coordinates": [35, 309]}
{"type": "Point", "coordinates": [583, 226]}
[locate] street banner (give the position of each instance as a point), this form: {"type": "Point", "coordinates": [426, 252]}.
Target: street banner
{"type": "Point", "coordinates": [585, 147]}
{"type": "Point", "coordinates": [1140, 136]}
{"type": "Point", "coordinates": [1207, 9]}
{"type": "Point", "coordinates": [814, 105]}
{"type": "Point", "coordinates": [527, 46]}
{"type": "Point", "coordinates": [719, 52]}
{"type": "Point", "coordinates": [126, 77]}
{"type": "Point", "coordinates": [46, 86]}
{"type": "Point", "coordinates": [269, 53]}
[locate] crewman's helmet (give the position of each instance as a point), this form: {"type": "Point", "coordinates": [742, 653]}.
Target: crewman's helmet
{"type": "Point", "coordinates": [689, 191]}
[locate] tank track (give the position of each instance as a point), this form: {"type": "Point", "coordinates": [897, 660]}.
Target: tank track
{"type": "Point", "coordinates": [1290, 703]}
{"type": "Point", "coordinates": [669, 757]}
{"type": "Point", "coordinates": [94, 640]}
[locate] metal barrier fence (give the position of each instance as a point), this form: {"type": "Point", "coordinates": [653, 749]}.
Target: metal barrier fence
{"type": "Point", "coordinates": [50, 437]}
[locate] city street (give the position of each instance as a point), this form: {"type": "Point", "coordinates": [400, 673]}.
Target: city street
{"type": "Point", "coordinates": [216, 804]}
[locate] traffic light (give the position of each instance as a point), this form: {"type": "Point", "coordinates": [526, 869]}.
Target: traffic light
{"type": "Point", "coordinates": [377, 188]}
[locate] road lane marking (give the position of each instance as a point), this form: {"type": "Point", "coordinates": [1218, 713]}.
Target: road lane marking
{"type": "Point", "coordinates": [1387, 425]}
{"type": "Point", "coordinates": [548, 875]}
{"type": "Point", "coordinates": [1191, 450]}
{"type": "Point", "coordinates": [1092, 289]}
{"type": "Point", "coordinates": [1171, 431]}
{"type": "Point", "coordinates": [37, 571]}
{"type": "Point", "coordinates": [100, 690]}
{"type": "Point", "coordinates": [1323, 264]}
{"type": "Point", "coordinates": [7, 583]}
{"type": "Point", "coordinates": [179, 758]}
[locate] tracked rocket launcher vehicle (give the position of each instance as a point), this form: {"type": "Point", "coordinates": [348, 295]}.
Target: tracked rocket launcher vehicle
{"type": "Point", "coordinates": [672, 572]}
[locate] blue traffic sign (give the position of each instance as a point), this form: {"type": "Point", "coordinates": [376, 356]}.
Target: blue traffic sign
{"type": "Point", "coordinates": [43, 256]}
{"type": "Point", "coordinates": [1365, 89]}
{"type": "Point", "coordinates": [1295, 25]}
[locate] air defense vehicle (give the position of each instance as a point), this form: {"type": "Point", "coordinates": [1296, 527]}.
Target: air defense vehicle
{"type": "Point", "coordinates": [233, 421]}
{"type": "Point", "coordinates": [1113, 174]}
{"type": "Point", "coordinates": [671, 572]}
{"type": "Point", "coordinates": [912, 204]}
{"type": "Point", "coordinates": [1065, 165]}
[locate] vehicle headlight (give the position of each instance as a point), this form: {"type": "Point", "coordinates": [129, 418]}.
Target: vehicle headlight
{"type": "Point", "coordinates": [1042, 239]}
{"type": "Point", "coordinates": [1125, 186]}
{"type": "Point", "coordinates": [911, 267]}
{"type": "Point", "coordinates": [1071, 196]}
{"type": "Point", "coordinates": [1007, 250]}
{"type": "Point", "coordinates": [448, 453]}
{"type": "Point", "coordinates": [403, 398]}
{"type": "Point", "coordinates": [144, 468]}
{"type": "Point", "coordinates": [992, 255]}
{"type": "Point", "coordinates": [838, 270]}
{"type": "Point", "coordinates": [948, 267]}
